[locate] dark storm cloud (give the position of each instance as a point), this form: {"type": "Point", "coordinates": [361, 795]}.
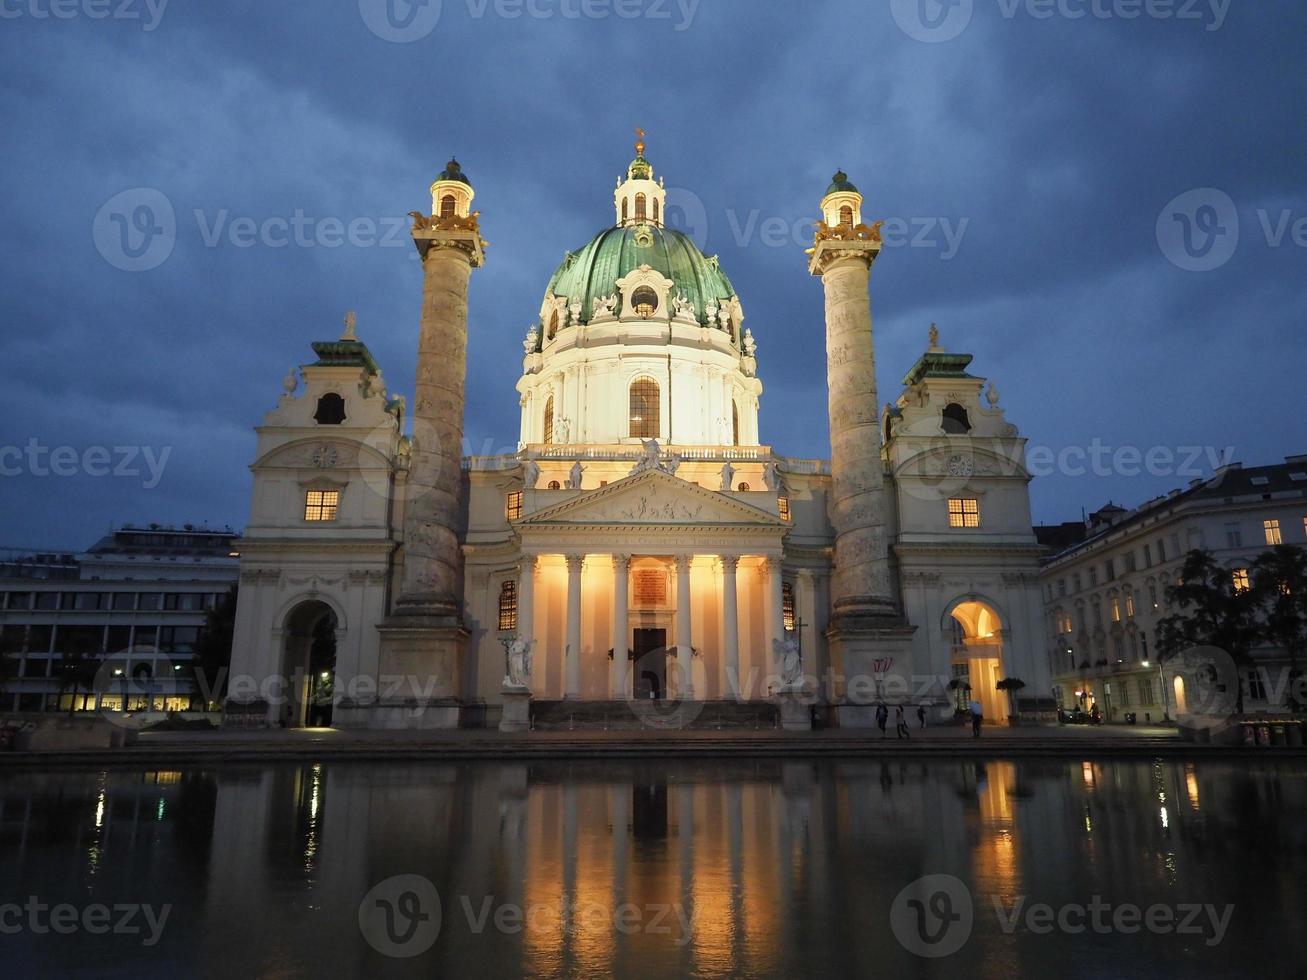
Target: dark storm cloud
{"type": "Point", "coordinates": [1028, 158]}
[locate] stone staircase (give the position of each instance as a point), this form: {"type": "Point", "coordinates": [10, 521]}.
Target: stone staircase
{"type": "Point", "coordinates": [556, 716]}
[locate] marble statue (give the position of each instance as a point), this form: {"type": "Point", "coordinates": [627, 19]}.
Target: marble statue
{"type": "Point", "coordinates": [991, 395]}
{"type": "Point", "coordinates": [575, 475]}
{"type": "Point", "coordinates": [290, 382]}
{"type": "Point", "coordinates": [750, 345]}
{"type": "Point", "coordinates": [771, 477]}
{"type": "Point", "coordinates": [530, 474]}
{"type": "Point", "coordinates": [532, 341]}
{"type": "Point", "coordinates": [791, 661]}
{"type": "Point", "coordinates": [684, 308]}
{"type": "Point", "coordinates": [518, 675]}
{"type": "Point", "coordinates": [728, 478]}
{"type": "Point", "coordinates": [561, 430]}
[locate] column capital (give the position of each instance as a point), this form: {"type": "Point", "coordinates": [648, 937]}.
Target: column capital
{"type": "Point", "coordinates": [683, 562]}
{"type": "Point", "coordinates": [528, 563]}
{"type": "Point", "coordinates": [574, 562]}
{"type": "Point", "coordinates": [774, 564]}
{"type": "Point", "coordinates": [622, 562]}
{"type": "Point", "coordinates": [730, 563]}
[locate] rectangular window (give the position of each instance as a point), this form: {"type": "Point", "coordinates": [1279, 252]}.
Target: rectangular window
{"type": "Point", "coordinates": [508, 606]}
{"type": "Point", "coordinates": [11, 638]}
{"type": "Point", "coordinates": [1124, 694]}
{"type": "Point", "coordinates": [1061, 587]}
{"type": "Point", "coordinates": [1161, 550]}
{"type": "Point", "coordinates": [1118, 647]}
{"type": "Point", "coordinates": [1130, 604]}
{"type": "Point", "coordinates": [1130, 561]}
{"type": "Point", "coordinates": [146, 639]}
{"type": "Point", "coordinates": [783, 504]}
{"type": "Point", "coordinates": [1152, 596]}
{"type": "Point", "coordinates": [1076, 579]}
{"type": "Point", "coordinates": [39, 638]}
{"type": "Point", "coordinates": [963, 512]}
{"type": "Point", "coordinates": [1241, 580]}
{"type": "Point", "coordinates": [321, 505]}
{"type": "Point", "coordinates": [1116, 609]}
{"type": "Point", "coordinates": [1148, 556]}
{"type": "Point", "coordinates": [1093, 575]}
{"type": "Point", "coordinates": [1145, 690]}
{"type": "Point", "coordinates": [787, 606]}
{"type": "Point", "coordinates": [1272, 532]}
{"type": "Point", "coordinates": [120, 639]}
{"type": "Point", "coordinates": [124, 600]}
{"type": "Point", "coordinates": [1233, 536]}
{"type": "Point", "coordinates": [151, 600]}
{"type": "Point", "coordinates": [513, 505]}
{"type": "Point", "coordinates": [178, 639]}
{"type": "Point", "coordinates": [20, 600]}
{"type": "Point", "coordinates": [47, 600]}
{"type": "Point", "coordinates": [1256, 685]}
{"type": "Point", "coordinates": [1109, 567]}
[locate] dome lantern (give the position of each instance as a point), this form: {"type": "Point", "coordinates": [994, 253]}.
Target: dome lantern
{"type": "Point", "coordinates": [640, 199]}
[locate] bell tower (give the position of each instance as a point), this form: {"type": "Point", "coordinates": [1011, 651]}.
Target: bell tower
{"type": "Point", "coordinates": [639, 198]}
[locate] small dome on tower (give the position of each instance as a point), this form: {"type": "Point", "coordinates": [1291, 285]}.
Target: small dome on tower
{"type": "Point", "coordinates": [453, 171]}
{"type": "Point", "coordinates": [840, 184]}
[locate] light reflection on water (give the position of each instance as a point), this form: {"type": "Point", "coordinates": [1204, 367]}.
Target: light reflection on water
{"type": "Point", "coordinates": [751, 869]}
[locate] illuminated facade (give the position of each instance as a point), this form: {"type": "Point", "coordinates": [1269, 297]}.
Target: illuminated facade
{"type": "Point", "coordinates": [644, 546]}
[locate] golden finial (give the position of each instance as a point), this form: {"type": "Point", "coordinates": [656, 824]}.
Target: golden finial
{"type": "Point", "coordinates": [639, 142]}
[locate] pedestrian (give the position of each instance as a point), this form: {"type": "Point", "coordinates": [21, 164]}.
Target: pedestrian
{"type": "Point", "coordinates": [900, 723]}
{"type": "Point", "coordinates": [921, 715]}
{"type": "Point", "coordinates": [882, 716]}
{"type": "Point", "coordinates": [977, 716]}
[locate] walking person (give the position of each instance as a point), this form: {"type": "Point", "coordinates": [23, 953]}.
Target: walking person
{"type": "Point", "coordinates": [900, 723]}
{"type": "Point", "coordinates": [882, 716]}
{"type": "Point", "coordinates": [977, 717]}
{"type": "Point", "coordinates": [921, 715]}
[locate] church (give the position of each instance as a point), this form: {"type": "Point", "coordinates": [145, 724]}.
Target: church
{"type": "Point", "coordinates": [644, 559]}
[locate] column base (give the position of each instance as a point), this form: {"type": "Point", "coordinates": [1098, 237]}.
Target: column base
{"type": "Point", "coordinates": [517, 710]}
{"type": "Point", "coordinates": [872, 660]}
{"type": "Point", "coordinates": [420, 678]}
{"type": "Point", "coordinates": [796, 710]}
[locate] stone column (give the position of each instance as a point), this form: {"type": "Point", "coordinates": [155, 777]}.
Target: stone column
{"type": "Point", "coordinates": [572, 655]}
{"type": "Point", "coordinates": [731, 628]}
{"type": "Point", "coordinates": [618, 669]}
{"type": "Point", "coordinates": [424, 639]}
{"type": "Point", "coordinates": [526, 593]}
{"type": "Point", "coordinates": [432, 583]}
{"type": "Point", "coordinates": [684, 650]}
{"type": "Point", "coordinates": [775, 614]}
{"type": "Point", "coordinates": [865, 620]}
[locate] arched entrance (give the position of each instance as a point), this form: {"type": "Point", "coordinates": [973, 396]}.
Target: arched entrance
{"type": "Point", "coordinates": [1181, 702]}
{"type": "Point", "coordinates": [309, 664]}
{"type": "Point", "coordinates": [976, 656]}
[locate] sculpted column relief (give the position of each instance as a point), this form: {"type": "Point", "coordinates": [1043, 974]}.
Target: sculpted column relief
{"type": "Point", "coordinates": [857, 504]}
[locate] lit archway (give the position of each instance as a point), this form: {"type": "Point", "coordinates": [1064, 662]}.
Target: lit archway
{"type": "Point", "coordinates": [1181, 702]}
{"type": "Point", "coordinates": [976, 657]}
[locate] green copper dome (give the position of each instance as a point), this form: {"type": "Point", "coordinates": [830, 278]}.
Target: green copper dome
{"type": "Point", "coordinates": [593, 271]}
{"type": "Point", "coordinates": [840, 182]}
{"type": "Point", "coordinates": [453, 171]}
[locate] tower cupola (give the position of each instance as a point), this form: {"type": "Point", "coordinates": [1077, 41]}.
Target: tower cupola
{"type": "Point", "coordinates": [842, 204]}
{"type": "Point", "coordinates": [452, 193]}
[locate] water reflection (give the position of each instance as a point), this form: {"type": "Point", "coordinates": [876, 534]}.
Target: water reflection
{"type": "Point", "coordinates": [749, 869]}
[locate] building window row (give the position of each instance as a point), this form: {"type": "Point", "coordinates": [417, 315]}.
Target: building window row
{"type": "Point", "coordinates": [109, 601]}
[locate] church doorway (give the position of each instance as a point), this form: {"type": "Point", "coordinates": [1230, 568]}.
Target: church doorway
{"type": "Point", "coordinates": [309, 665]}
{"type": "Point", "coordinates": [650, 664]}
{"type": "Point", "coordinates": [976, 643]}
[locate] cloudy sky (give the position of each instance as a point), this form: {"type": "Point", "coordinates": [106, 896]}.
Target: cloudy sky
{"type": "Point", "coordinates": [1103, 201]}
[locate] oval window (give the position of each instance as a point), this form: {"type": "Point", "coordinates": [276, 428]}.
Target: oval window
{"type": "Point", "coordinates": [644, 301]}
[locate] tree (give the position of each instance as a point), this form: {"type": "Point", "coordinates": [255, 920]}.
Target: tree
{"type": "Point", "coordinates": [211, 662]}
{"type": "Point", "coordinates": [1279, 588]}
{"type": "Point", "coordinates": [1010, 686]}
{"type": "Point", "coordinates": [78, 668]}
{"type": "Point", "coordinates": [1210, 611]}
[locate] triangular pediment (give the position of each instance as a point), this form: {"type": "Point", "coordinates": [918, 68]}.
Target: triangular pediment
{"type": "Point", "coordinates": [653, 498]}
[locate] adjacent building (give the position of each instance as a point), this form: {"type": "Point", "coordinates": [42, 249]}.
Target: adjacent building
{"type": "Point", "coordinates": [129, 610]}
{"type": "Point", "coordinates": [1105, 595]}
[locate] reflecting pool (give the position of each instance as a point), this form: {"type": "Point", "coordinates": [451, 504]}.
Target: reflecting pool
{"type": "Point", "coordinates": [737, 868]}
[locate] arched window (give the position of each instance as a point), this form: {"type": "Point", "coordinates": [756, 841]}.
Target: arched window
{"type": "Point", "coordinates": [645, 409]}
{"type": "Point", "coordinates": [955, 420]}
{"type": "Point", "coordinates": [640, 204]}
{"type": "Point", "coordinates": [626, 209]}
{"type": "Point", "coordinates": [553, 326]}
{"type": "Point", "coordinates": [555, 485]}
{"type": "Point", "coordinates": [735, 424]}
{"type": "Point", "coordinates": [547, 436]}
{"type": "Point", "coordinates": [644, 302]}
{"type": "Point", "coordinates": [846, 215]}
{"type": "Point", "coordinates": [447, 206]}
{"type": "Point", "coordinates": [508, 606]}
{"type": "Point", "coordinates": [742, 487]}
{"type": "Point", "coordinates": [331, 410]}
{"type": "Point", "coordinates": [656, 216]}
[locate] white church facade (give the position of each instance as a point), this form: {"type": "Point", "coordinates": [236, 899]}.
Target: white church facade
{"type": "Point", "coordinates": [645, 558]}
